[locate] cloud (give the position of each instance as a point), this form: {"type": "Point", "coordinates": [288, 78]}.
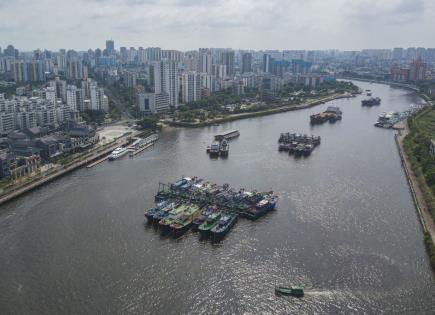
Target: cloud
{"type": "Point", "coordinates": [188, 24]}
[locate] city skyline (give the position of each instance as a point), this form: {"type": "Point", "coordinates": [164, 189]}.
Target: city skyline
{"type": "Point", "coordinates": [185, 24]}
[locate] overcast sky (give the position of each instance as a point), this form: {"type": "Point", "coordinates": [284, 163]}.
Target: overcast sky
{"type": "Point", "coordinates": [189, 24]}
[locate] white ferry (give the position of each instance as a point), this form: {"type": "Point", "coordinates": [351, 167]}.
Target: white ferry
{"type": "Point", "coordinates": [117, 153]}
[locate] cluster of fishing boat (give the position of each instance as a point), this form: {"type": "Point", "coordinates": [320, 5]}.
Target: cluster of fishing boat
{"type": "Point", "coordinates": [298, 144]}
{"type": "Point", "coordinates": [207, 208]}
{"type": "Point", "coordinates": [220, 146]}
{"type": "Point", "coordinates": [388, 120]}
{"type": "Point", "coordinates": [331, 114]}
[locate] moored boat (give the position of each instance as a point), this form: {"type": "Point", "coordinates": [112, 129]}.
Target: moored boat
{"type": "Point", "coordinates": [209, 223]}
{"type": "Point", "coordinates": [224, 148]}
{"type": "Point", "coordinates": [228, 135]}
{"type": "Point", "coordinates": [117, 153]}
{"type": "Point", "coordinates": [202, 217]}
{"type": "Point", "coordinates": [214, 148]}
{"type": "Point", "coordinates": [371, 101]}
{"type": "Point", "coordinates": [223, 226]}
{"type": "Point", "coordinates": [184, 221]}
{"type": "Point", "coordinates": [261, 208]}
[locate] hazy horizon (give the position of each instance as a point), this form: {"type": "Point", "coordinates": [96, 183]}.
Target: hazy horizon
{"type": "Point", "coordinates": [187, 24]}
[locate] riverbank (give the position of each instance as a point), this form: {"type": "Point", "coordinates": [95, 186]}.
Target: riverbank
{"type": "Point", "coordinates": [418, 195]}
{"type": "Point", "coordinates": [394, 84]}
{"type": "Point", "coordinates": [277, 110]}
{"type": "Point", "coordinates": [60, 171]}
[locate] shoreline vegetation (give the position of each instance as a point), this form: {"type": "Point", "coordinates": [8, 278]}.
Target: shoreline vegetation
{"type": "Point", "coordinates": [276, 110]}
{"type": "Point", "coordinates": [419, 165]}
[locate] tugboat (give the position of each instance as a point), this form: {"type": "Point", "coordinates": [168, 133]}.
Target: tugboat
{"type": "Point", "coordinates": [208, 224]}
{"type": "Point", "coordinates": [224, 148]}
{"type": "Point", "coordinates": [296, 291]}
{"type": "Point", "coordinates": [371, 101]}
{"type": "Point", "coordinates": [214, 148]}
{"type": "Point", "coordinates": [223, 226]}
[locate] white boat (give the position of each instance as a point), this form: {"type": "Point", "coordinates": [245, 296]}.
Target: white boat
{"type": "Point", "coordinates": [117, 153]}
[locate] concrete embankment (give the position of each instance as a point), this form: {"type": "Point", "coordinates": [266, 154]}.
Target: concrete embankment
{"type": "Point", "coordinates": [58, 172]}
{"type": "Point", "coordinates": [424, 215]}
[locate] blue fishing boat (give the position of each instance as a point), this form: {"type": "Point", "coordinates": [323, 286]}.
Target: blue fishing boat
{"type": "Point", "coordinates": [224, 225]}
{"type": "Point", "coordinates": [261, 208]}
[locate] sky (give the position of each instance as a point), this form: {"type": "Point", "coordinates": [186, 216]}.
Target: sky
{"type": "Point", "coordinates": [239, 24]}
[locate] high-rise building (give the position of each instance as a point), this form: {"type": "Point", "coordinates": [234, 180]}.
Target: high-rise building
{"type": "Point", "coordinates": [110, 47]}
{"type": "Point", "coordinates": [398, 53]}
{"type": "Point", "coordinates": [417, 70]}
{"type": "Point", "coordinates": [165, 77]}
{"type": "Point", "coordinates": [191, 61]}
{"type": "Point", "coordinates": [190, 87]}
{"type": "Point", "coordinates": [246, 62]}
{"type": "Point", "coordinates": [153, 53]}
{"type": "Point", "coordinates": [228, 61]}
{"type": "Point", "coordinates": [267, 63]}
{"type": "Point", "coordinates": [205, 61]}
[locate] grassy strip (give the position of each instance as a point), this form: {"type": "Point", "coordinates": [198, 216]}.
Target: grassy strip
{"type": "Point", "coordinates": [277, 110]}
{"type": "Point", "coordinates": [416, 145]}
{"type": "Point", "coordinates": [430, 247]}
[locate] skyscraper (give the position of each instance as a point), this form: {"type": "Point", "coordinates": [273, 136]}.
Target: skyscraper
{"type": "Point", "coordinates": [228, 61]}
{"type": "Point", "coordinates": [110, 47]}
{"type": "Point", "coordinates": [205, 61]}
{"type": "Point", "coordinates": [246, 62]}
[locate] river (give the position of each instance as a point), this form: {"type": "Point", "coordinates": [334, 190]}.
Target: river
{"type": "Point", "coordinates": [345, 226]}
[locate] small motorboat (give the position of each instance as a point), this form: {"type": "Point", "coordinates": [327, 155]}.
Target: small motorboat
{"type": "Point", "coordinates": [297, 291]}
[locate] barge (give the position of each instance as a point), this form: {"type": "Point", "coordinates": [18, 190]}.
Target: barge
{"type": "Point", "coordinates": [371, 101]}
{"type": "Point", "coordinates": [228, 135]}
{"type": "Point", "coordinates": [331, 114]}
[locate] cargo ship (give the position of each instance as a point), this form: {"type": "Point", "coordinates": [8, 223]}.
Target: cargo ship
{"type": "Point", "coordinates": [371, 101]}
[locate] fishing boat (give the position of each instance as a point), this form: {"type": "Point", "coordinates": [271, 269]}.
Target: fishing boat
{"type": "Point", "coordinates": [223, 226]}
{"type": "Point", "coordinates": [208, 224]}
{"type": "Point", "coordinates": [297, 291]}
{"type": "Point", "coordinates": [224, 148]}
{"type": "Point", "coordinates": [117, 153]}
{"type": "Point", "coordinates": [299, 149]}
{"type": "Point", "coordinates": [184, 221]}
{"type": "Point", "coordinates": [308, 148]}
{"type": "Point", "coordinates": [202, 217]}
{"type": "Point", "coordinates": [173, 215]}
{"type": "Point", "coordinates": [261, 208]}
